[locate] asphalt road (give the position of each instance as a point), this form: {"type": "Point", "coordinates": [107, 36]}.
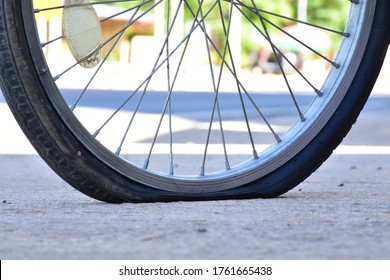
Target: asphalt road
{"type": "Point", "coordinates": [341, 212]}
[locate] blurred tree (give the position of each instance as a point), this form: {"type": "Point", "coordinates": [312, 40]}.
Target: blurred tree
{"type": "Point", "coordinates": [327, 13]}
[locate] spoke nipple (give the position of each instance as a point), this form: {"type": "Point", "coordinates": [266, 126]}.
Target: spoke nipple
{"type": "Point", "coordinates": [255, 155]}
{"type": "Point", "coordinates": [227, 165]}
{"type": "Point", "coordinates": [319, 93]}
{"type": "Point", "coordinates": [43, 70]}
{"type": "Point", "coordinates": [118, 151]}
{"type": "Point", "coordinates": [171, 171]}
{"type": "Point", "coordinates": [278, 138]}
{"type": "Point", "coordinates": [303, 119]}
{"type": "Point", "coordinates": [346, 34]}
{"type": "Point", "coordinates": [56, 78]}
{"type": "Point", "coordinates": [146, 164]}
{"type": "Point", "coordinates": [336, 65]}
{"type": "Point", "coordinates": [96, 134]}
{"type": "Point", "coordinates": [202, 170]}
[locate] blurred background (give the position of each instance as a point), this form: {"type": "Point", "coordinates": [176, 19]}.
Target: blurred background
{"type": "Point", "coordinates": [136, 50]}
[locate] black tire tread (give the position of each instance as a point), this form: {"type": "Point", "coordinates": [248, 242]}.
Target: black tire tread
{"type": "Point", "coordinates": [39, 137]}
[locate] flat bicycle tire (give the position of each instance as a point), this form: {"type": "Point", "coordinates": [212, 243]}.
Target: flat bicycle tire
{"type": "Point", "coordinates": [48, 130]}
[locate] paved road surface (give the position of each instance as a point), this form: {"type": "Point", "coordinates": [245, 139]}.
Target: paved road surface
{"type": "Point", "coordinates": [341, 212]}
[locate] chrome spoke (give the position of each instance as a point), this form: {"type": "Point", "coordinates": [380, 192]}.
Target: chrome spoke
{"type": "Point", "coordinates": [44, 44]}
{"type": "Point", "coordinates": [155, 69]}
{"type": "Point", "coordinates": [169, 86]}
{"type": "Point", "coordinates": [80, 5]}
{"type": "Point", "coordinates": [216, 87]}
{"type": "Point", "coordinates": [241, 56]}
{"type": "Point", "coordinates": [168, 101]}
{"type": "Point", "coordinates": [146, 83]}
{"type": "Point", "coordinates": [242, 87]}
{"type": "Point", "coordinates": [275, 51]}
{"type": "Point", "coordinates": [255, 155]}
{"type": "Point", "coordinates": [256, 10]}
{"type": "Point", "coordinates": [102, 63]}
{"type": "Point", "coordinates": [113, 37]}
{"type": "Point", "coordinates": [278, 51]}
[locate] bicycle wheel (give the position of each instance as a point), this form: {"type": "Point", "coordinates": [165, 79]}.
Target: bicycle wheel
{"type": "Point", "coordinates": [144, 100]}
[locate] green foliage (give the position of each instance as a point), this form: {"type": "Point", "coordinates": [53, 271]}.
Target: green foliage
{"type": "Point", "coordinates": [327, 13]}
{"type": "Point", "coordinates": [323, 12]}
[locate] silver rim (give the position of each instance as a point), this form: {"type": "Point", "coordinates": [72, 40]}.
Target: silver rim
{"type": "Point", "coordinates": [213, 131]}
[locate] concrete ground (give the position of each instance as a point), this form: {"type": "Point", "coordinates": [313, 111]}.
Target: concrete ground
{"type": "Point", "coordinates": [341, 212]}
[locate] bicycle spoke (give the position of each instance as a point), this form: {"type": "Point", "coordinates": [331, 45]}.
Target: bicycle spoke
{"type": "Point", "coordinates": [155, 69]}
{"type": "Point", "coordinates": [303, 44]}
{"type": "Point", "coordinates": [104, 19]}
{"type": "Point", "coordinates": [51, 41]}
{"type": "Point", "coordinates": [275, 51]}
{"type": "Point", "coordinates": [211, 42]}
{"type": "Point", "coordinates": [227, 164]}
{"type": "Point", "coordinates": [196, 96]}
{"type": "Point", "coordinates": [120, 35]}
{"type": "Point", "coordinates": [255, 155]}
{"type": "Point", "coordinates": [58, 76]}
{"type": "Point", "coordinates": [316, 90]}
{"type": "Point", "coordinates": [170, 88]}
{"type": "Point", "coordinates": [127, 10]}
{"type": "Point", "coordinates": [287, 33]}
{"type": "Point", "coordinates": [146, 83]}
{"type": "Point", "coordinates": [147, 161]}
{"type": "Point", "coordinates": [216, 86]}
{"type": "Point", "coordinates": [81, 5]}
{"type": "Point", "coordinates": [256, 10]}
{"type": "Point", "coordinates": [113, 37]}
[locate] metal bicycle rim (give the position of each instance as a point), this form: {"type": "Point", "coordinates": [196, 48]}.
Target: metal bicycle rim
{"type": "Point", "coordinates": [323, 105]}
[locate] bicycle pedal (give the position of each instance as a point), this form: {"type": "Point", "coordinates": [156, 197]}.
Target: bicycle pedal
{"type": "Point", "coordinates": [83, 32]}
